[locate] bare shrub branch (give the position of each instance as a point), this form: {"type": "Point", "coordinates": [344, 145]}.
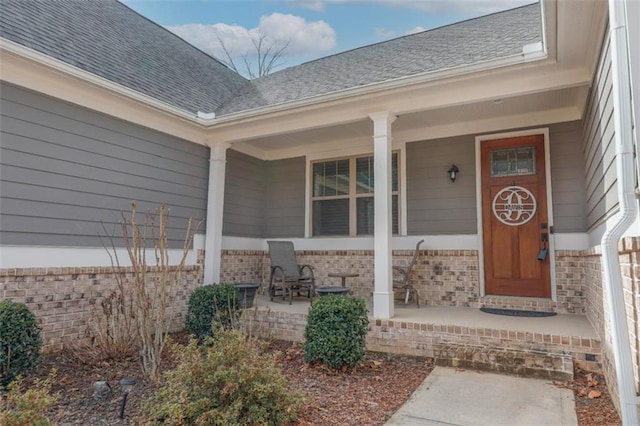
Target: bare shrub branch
{"type": "Point", "coordinates": [136, 313]}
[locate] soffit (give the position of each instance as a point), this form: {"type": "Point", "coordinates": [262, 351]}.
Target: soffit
{"type": "Point", "coordinates": [512, 112]}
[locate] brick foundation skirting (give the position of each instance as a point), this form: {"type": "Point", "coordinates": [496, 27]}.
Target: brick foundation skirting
{"type": "Point", "coordinates": [441, 277]}
{"type": "Point", "coordinates": [532, 354]}
{"type": "Point", "coordinates": [64, 299]}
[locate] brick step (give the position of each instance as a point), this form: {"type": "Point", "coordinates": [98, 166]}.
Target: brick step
{"type": "Point", "coordinates": [554, 365]}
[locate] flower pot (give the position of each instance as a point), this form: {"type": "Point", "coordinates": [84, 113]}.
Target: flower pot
{"type": "Point", "coordinates": [247, 292]}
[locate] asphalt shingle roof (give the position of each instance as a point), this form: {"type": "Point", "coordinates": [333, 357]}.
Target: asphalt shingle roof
{"type": "Point", "coordinates": [108, 39]}
{"type": "Point", "coordinates": [464, 43]}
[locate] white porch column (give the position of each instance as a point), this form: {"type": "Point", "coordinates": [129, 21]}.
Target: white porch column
{"type": "Point", "coordinates": [215, 208]}
{"type": "Point", "coordinates": [383, 291]}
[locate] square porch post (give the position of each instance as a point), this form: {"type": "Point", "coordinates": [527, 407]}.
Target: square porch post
{"type": "Point", "coordinates": [383, 291]}
{"type": "Point", "coordinates": [215, 209]}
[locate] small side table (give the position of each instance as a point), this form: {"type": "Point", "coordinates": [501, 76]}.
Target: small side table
{"type": "Point", "coordinates": [336, 291]}
{"type": "Point", "coordinates": [343, 275]}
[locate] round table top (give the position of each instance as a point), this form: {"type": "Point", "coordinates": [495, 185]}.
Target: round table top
{"type": "Point", "coordinates": [343, 274]}
{"type": "Point", "coordinates": [337, 289]}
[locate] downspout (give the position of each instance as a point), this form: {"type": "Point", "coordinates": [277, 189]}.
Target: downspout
{"type": "Point", "coordinates": [628, 212]}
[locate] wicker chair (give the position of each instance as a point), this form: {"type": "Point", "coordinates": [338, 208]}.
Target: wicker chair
{"type": "Point", "coordinates": [402, 278]}
{"type": "Point", "coordinates": [287, 276]}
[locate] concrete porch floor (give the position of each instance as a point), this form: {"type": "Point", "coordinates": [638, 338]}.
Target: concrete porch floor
{"type": "Point", "coordinates": [561, 325]}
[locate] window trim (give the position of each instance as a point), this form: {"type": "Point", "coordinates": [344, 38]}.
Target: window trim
{"type": "Point", "coordinates": [353, 194]}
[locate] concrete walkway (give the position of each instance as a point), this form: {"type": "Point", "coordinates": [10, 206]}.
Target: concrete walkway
{"type": "Point", "coordinates": [455, 397]}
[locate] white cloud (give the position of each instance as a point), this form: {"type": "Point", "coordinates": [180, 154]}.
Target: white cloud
{"type": "Point", "coordinates": [303, 37]}
{"type": "Point", "coordinates": [315, 5]}
{"type": "Point", "coordinates": [417, 29]}
{"type": "Point", "coordinates": [467, 7]}
{"type": "Point", "coordinates": [383, 33]}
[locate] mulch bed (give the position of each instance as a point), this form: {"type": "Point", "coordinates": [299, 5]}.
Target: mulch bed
{"type": "Point", "coordinates": [366, 395]}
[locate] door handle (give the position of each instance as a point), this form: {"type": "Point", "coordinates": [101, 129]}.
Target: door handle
{"type": "Point", "coordinates": [542, 255]}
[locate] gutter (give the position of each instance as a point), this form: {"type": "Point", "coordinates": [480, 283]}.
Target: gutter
{"type": "Point", "coordinates": [530, 53]}
{"type": "Point", "coordinates": [623, 120]}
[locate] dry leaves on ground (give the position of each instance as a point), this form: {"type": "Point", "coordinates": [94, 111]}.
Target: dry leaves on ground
{"type": "Point", "coordinates": [366, 395]}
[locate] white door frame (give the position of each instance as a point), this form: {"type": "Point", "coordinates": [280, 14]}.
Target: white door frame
{"type": "Point", "coordinates": [547, 159]}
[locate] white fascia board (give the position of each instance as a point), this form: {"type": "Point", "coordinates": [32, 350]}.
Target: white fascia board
{"type": "Point", "coordinates": [7, 46]}
{"type": "Point", "coordinates": [26, 68]}
{"type": "Point", "coordinates": [388, 85]}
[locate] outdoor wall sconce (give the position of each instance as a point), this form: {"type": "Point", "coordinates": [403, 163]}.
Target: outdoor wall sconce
{"type": "Point", "coordinates": [126, 383]}
{"type": "Point", "coordinates": [453, 172]}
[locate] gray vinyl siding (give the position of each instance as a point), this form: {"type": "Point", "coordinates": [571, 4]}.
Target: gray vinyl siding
{"type": "Point", "coordinates": [599, 147]}
{"type": "Point", "coordinates": [567, 182]}
{"type": "Point", "coordinates": [66, 171]}
{"type": "Point", "coordinates": [244, 196]}
{"type": "Point", "coordinates": [263, 199]}
{"type": "Point", "coordinates": [435, 205]}
{"type": "Point", "coordinates": [284, 202]}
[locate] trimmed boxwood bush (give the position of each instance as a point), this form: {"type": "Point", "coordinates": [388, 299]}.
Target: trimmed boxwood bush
{"type": "Point", "coordinates": [228, 380]}
{"type": "Point", "coordinates": [20, 341]}
{"type": "Point", "coordinates": [336, 331]}
{"type": "Point", "coordinates": [209, 303]}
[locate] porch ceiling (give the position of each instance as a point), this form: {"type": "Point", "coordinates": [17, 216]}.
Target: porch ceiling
{"type": "Point", "coordinates": [478, 117]}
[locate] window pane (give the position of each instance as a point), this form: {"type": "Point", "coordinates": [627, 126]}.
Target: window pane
{"type": "Point", "coordinates": [364, 175]}
{"type": "Point", "coordinates": [513, 162]}
{"type": "Point", "coordinates": [394, 214]}
{"type": "Point", "coordinates": [394, 172]}
{"type": "Point", "coordinates": [365, 219]}
{"type": "Point", "coordinates": [365, 215]}
{"type": "Point", "coordinates": [331, 178]}
{"type": "Point", "coordinates": [331, 217]}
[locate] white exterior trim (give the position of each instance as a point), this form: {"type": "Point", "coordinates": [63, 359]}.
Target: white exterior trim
{"type": "Point", "coordinates": [78, 257]}
{"type": "Point", "coordinates": [564, 241]}
{"type": "Point", "coordinates": [402, 175]}
{"type": "Point", "coordinates": [552, 237]}
{"type": "Point", "coordinates": [60, 257]}
{"type": "Point", "coordinates": [382, 147]}
{"type": "Point", "coordinates": [343, 149]}
{"type": "Point", "coordinates": [215, 210]}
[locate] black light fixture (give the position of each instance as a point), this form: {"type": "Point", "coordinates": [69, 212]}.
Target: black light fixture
{"type": "Point", "coordinates": [126, 384]}
{"type": "Point", "coordinates": [453, 172]}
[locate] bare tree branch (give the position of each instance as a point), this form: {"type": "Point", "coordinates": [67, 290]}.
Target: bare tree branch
{"type": "Point", "coordinates": [268, 56]}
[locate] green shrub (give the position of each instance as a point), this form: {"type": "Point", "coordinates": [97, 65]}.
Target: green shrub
{"type": "Point", "coordinates": [20, 341]}
{"type": "Point", "coordinates": [26, 408]}
{"type": "Point", "coordinates": [209, 303]}
{"type": "Point", "coordinates": [336, 331]}
{"type": "Point", "coordinates": [226, 381]}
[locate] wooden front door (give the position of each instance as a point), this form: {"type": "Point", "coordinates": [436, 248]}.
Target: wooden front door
{"type": "Point", "coordinates": [514, 217]}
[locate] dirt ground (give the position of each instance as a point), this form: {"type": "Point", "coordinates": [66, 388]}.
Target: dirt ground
{"type": "Point", "coordinates": [367, 395]}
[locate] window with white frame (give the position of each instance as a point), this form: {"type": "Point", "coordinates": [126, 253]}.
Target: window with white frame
{"type": "Point", "coordinates": [342, 196]}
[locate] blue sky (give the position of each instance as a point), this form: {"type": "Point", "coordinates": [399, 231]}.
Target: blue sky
{"type": "Point", "coordinates": [312, 28]}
